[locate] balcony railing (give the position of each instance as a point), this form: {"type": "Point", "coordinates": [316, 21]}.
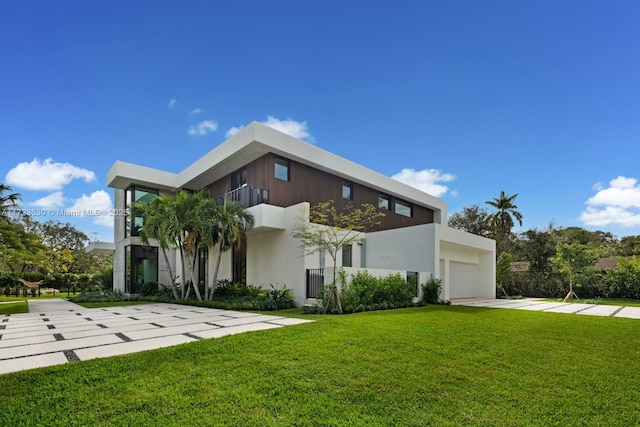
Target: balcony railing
{"type": "Point", "coordinates": [247, 196]}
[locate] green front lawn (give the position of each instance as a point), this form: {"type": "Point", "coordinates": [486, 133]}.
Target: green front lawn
{"type": "Point", "coordinates": [43, 296]}
{"type": "Point", "coordinates": [13, 308]}
{"type": "Point", "coordinates": [101, 304]}
{"type": "Point", "coordinates": [436, 365]}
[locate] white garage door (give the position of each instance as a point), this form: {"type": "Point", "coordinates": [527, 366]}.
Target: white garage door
{"type": "Point", "coordinates": [462, 280]}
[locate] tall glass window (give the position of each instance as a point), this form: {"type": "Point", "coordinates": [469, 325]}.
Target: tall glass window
{"type": "Point", "coordinates": [137, 194]}
{"type": "Point", "coordinates": [384, 201]}
{"type": "Point", "coordinates": [347, 256]}
{"type": "Point", "coordinates": [347, 190]}
{"type": "Point", "coordinates": [203, 257]}
{"type": "Point", "coordinates": [141, 265]}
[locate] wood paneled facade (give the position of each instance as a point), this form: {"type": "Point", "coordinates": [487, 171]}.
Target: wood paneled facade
{"type": "Point", "coordinates": [307, 184]}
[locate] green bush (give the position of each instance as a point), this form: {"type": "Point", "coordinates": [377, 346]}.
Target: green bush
{"type": "Point", "coordinates": [431, 291]}
{"type": "Point", "coordinates": [624, 280]}
{"type": "Point", "coordinates": [365, 292]}
{"type": "Point", "coordinates": [9, 278]}
{"type": "Point", "coordinates": [226, 289]}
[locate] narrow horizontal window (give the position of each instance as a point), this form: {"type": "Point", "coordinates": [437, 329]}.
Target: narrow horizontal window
{"type": "Point", "coordinates": [403, 208]}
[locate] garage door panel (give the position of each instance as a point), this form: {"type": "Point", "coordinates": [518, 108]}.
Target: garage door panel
{"type": "Point", "coordinates": [462, 280]}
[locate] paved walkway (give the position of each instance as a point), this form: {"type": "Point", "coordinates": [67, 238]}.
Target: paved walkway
{"type": "Point", "coordinates": [553, 307]}
{"type": "Point", "coordinates": [57, 331]}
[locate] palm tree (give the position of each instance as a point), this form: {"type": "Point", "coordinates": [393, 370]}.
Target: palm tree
{"type": "Point", "coordinates": [174, 223]}
{"type": "Point", "coordinates": [7, 201]}
{"type": "Point", "coordinates": [225, 225]}
{"type": "Point", "coordinates": [160, 224]}
{"type": "Point", "coordinates": [502, 219]}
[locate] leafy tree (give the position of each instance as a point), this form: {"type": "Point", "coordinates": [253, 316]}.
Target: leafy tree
{"type": "Point", "coordinates": [629, 246]}
{"type": "Point", "coordinates": [20, 250]}
{"type": "Point", "coordinates": [538, 247]}
{"type": "Point", "coordinates": [223, 224]}
{"type": "Point", "coordinates": [8, 201]}
{"type": "Point", "coordinates": [472, 219]}
{"type": "Point", "coordinates": [594, 239]}
{"type": "Point", "coordinates": [328, 230]}
{"type": "Point", "coordinates": [624, 280]}
{"type": "Point", "coordinates": [503, 272]}
{"type": "Point", "coordinates": [574, 261]}
{"type": "Point", "coordinates": [502, 219]}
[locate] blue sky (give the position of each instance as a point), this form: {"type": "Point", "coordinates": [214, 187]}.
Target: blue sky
{"type": "Point", "coordinates": [463, 99]}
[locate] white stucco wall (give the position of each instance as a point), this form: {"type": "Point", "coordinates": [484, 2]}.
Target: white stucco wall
{"type": "Point", "coordinates": [432, 248]}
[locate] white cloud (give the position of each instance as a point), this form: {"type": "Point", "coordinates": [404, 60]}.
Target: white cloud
{"type": "Point", "coordinates": [97, 205]}
{"type": "Point", "coordinates": [426, 180]}
{"type": "Point", "coordinates": [172, 103]}
{"type": "Point", "coordinates": [610, 215]}
{"type": "Point", "coordinates": [618, 204]}
{"type": "Point", "coordinates": [232, 131]}
{"type": "Point", "coordinates": [53, 200]}
{"type": "Point", "coordinates": [47, 175]}
{"type": "Point", "coordinates": [290, 127]}
{"type": "Point", "coordinates": [195, 111]}
{"type": "Point", "coordinates": [203, 128]}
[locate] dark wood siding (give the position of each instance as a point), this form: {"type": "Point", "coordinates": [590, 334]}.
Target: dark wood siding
{"type": "Point", "coordinates": [307, 184]}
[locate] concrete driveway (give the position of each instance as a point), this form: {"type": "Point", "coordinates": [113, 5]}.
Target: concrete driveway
{"type": "Point", "coordinates": [535, 304]}
{"type": "Point", "coordinates": [57, 331]}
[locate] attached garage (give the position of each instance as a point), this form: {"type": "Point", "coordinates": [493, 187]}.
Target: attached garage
{"type": "Point", "coordinates": [462, 280]}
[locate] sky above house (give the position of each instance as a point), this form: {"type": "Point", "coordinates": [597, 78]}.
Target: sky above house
{"type": "Point", "coordinates": [461, 99]}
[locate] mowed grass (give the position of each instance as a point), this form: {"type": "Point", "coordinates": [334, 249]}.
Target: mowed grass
{"type": "Point", "coordinates": [436, 365]}
{"type": "Point", "coordinates": [102, 304]}
{"type": "Point", "coordinates": [14, 307]}
{"type": "Point", "coordinates": [43, 296]}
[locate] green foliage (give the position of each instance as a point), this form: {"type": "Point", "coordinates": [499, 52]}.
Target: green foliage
{"type": "Point", "coordinates": [365, 292]}
{"type": "Point", "coordinates": [226, 289]}
{"type": "Point", "coordinates": [104, 279]}
{"type": "Point", "coordinates": [9, 278]}
{"type": "Point", "coordinates": [472, 219]}
{"type": "Point", "coordinates": [329, 230]}
{"type": "Point", "coordinates": [431, 291]}
{"type": "Point", "coordinates": [624, 280]}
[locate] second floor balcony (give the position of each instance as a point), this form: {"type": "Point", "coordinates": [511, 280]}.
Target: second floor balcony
{"type": "Point", "coordinates": [247, 196]}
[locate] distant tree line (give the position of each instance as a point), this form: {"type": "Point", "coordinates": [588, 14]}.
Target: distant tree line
{"type": "Point", "coordinates": [52, 251]}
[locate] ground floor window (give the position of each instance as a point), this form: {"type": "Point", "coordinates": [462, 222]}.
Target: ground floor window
{"type": "Point", "coordinates": [347, 256]}
{"type": "Point", "coordinates": [412, 278]}
{"type": "Point", "coordinates": [141, 266]}
{"type": "Point", "coordinates": [203, 270]}
{"type": "Point", "coordinates": [239, 261]}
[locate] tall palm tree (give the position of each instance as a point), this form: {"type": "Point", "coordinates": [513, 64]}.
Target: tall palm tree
{"type": "Point", "coordinates": [160, 224]}
{"type": "Point", "coordinates": [174, 223]}
{"type": "Point", "coordinates": [223, 224]}
{"type": "Point", "coordinates": [7, 201]}
{"type": "Point", "coordinates": [502, 219]}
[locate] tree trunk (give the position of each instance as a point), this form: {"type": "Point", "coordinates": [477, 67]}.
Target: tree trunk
{"type": "Point", "coordinates": [215, 272]}
{"type": "Point", "coordinates": [571, 293]}
{"type": "Point", "coordinates": [192, 276]}
{"type": "Point", "coordinates": [173, 278]}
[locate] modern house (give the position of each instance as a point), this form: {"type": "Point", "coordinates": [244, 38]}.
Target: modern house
{"type": "Point", "coordinates": [277, 177]}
